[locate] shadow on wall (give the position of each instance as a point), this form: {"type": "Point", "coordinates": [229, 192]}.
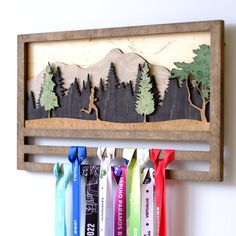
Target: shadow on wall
{"type": "Point", "coordinates": [229, 106]}
{"type": "Point", "coordinates": [176, 208]}
{"type": "Point", "coordinates": [179, 196]}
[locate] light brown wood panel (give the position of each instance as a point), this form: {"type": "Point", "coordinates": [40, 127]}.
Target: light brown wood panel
{"type": "Point", "coordinates": [118, 134]}
{"type": "Point", "coordinates": [92, 152]}
{"type": "Point", "coordinates": [214, 136]}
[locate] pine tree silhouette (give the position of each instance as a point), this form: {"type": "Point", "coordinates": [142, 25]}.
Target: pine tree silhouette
{"type": "Point", "coordinates": [100, 98]}
{"type": "Point", "coordinates": [30, 113]}
{"type": "Point", "coordinates": [112, 80]}
{"type": "Point", "coordinates": [145, 100]}
{"type": "Point", "coordinates": [60, 92]}
{"type": "Point", "coordinates": [137, 81]}
{"type": "Point", "coordinates": [111, 95]}
{"type": "Point", "coordinates": [157, 100]}
{"type": "Point", "coordinates": [59, 88]}
{"type": "Point", "coordinates": [72, 100]}
{"type": "Point", "coordinates": [33, 112]}
{"type": "Point", "coordinates": [175, 104]}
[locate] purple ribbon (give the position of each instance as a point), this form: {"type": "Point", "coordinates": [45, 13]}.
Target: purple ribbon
{"type": "Point", "coordinates": [119, 173]}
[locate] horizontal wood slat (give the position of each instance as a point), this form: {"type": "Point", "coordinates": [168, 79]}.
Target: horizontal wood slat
{"type": "Point", "coordinates": [189, 175]}
{"type": "Point", "coordinates": [120, 31]}
{"type": "Point", "coordinates": [92, 152]}
{"type": "Point", "coordinates": [119, 134]}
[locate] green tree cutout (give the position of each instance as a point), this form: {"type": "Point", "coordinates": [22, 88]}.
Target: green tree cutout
{"type": "Point", "coordinates": [48, 98]}
{"type": "Point", "coordinates": [145, 100]}
{"type": "Point", "coordinates": [196, 74]}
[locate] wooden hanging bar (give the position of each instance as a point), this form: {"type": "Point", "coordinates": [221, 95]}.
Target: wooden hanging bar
{"type": "Point", "coordinates": [92, 152]}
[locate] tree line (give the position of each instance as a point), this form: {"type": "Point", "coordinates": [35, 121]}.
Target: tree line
{"type": "Point", "coordinates": [117, 101]}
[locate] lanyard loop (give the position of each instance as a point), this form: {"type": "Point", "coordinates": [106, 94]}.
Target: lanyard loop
{"type": "Point", "coordinates": [76, 156]}
{"type": "Point", "coordinates": [160, 186]}
{"type": "Point", "coordinates": [105, 192]}
{"type": "Point", "coordinates": [62, 209]}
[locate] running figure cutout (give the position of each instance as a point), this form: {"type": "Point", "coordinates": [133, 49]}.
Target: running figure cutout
{"type": "Point", "coordinates": [92, 105]}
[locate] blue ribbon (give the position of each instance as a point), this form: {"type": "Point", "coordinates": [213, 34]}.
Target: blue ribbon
{"type": "Point", "coordinates": [76, 156]}
{"type": "Point", "coordinates": [62, 218]}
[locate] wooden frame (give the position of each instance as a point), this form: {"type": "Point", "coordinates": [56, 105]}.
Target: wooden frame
{"type": "Point", "coordinates": [213, 136]}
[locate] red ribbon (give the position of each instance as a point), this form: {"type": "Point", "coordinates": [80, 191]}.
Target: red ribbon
{"type": "Point", "coordinates": [160, 186]}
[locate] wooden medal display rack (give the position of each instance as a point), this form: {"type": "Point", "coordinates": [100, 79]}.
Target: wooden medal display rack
{"type": "Point", "coordinates": [155, 82]}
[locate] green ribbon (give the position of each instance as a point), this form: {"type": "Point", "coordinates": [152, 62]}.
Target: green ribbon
{"type": "Point", "coordinates": [133, 194]}
{"type": "Point", "coordinates": [62, 215]}
{"type": "Point", "coordinates": [128, 154]}
{"type": "Point", "coordinates": [135, 200]}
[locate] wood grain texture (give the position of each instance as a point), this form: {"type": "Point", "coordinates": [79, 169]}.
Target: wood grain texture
{"type": "Point", "coordinates": [217, 89]}
{"type": "Point", "coordinates": [78, 124]}
{"type": "Point", "coordinates": [214, 136]}
{"type": "Point", "coordinates": [119, 134]}
{"type": "Point", "coordinates": [92, 152]}
{"type": "Point", "coordinates": [21, 88]}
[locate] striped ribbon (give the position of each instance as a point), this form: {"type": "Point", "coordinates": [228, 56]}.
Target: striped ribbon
{"type": "Point", "coordinates": [105, 192]}
{"type": "Point", "coordinates": [147, 198]}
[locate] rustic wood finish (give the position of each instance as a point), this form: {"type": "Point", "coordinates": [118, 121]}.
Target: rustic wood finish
{"type": "Point", "coordinates": [214, 137]}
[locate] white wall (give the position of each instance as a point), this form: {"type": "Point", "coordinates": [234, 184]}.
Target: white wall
{"type": "Point", "coordinates": [27, 199]}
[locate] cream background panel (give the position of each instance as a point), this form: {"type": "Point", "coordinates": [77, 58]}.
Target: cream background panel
{"type": "Point", "coordinates": [158, 50]}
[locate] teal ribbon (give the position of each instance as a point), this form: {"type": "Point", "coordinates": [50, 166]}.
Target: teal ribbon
{"type": "Point", "coordinates": [62, 216]}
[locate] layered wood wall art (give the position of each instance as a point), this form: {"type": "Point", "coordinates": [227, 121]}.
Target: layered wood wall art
{"type": "Point", "coordinates": [156, 82]}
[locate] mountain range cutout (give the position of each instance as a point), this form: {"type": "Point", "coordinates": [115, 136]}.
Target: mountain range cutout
{"type": "Point", "coordinates": [126, 65]}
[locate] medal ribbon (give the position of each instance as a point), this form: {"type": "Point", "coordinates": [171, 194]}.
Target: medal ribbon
{"type": "Point", "coordinates": [62, 214]}
{"type": "Point", "coordinates": [147, 198]}
{"type": "Point", "coordinates": [120, 201]}
{"type": "Point", "coordinates": [160, 186]}
{"type": "Point", "coordinates": [91, 176]}
{"type": "Point", "coordinates": [76, 156]}
{"type": "Point", "coordinates": [105, 192]}
{"type": "Point", "coordinates": [134, 198]}
{"type": "Point", "coordinates": [128, 154]}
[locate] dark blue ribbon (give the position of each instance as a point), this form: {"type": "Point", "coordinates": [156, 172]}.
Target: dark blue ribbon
{"type": "Point", "coordinates": [76, 156]}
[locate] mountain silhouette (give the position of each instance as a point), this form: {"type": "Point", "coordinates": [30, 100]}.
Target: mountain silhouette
{"type": "Point", "coordinates": [126, 69]}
